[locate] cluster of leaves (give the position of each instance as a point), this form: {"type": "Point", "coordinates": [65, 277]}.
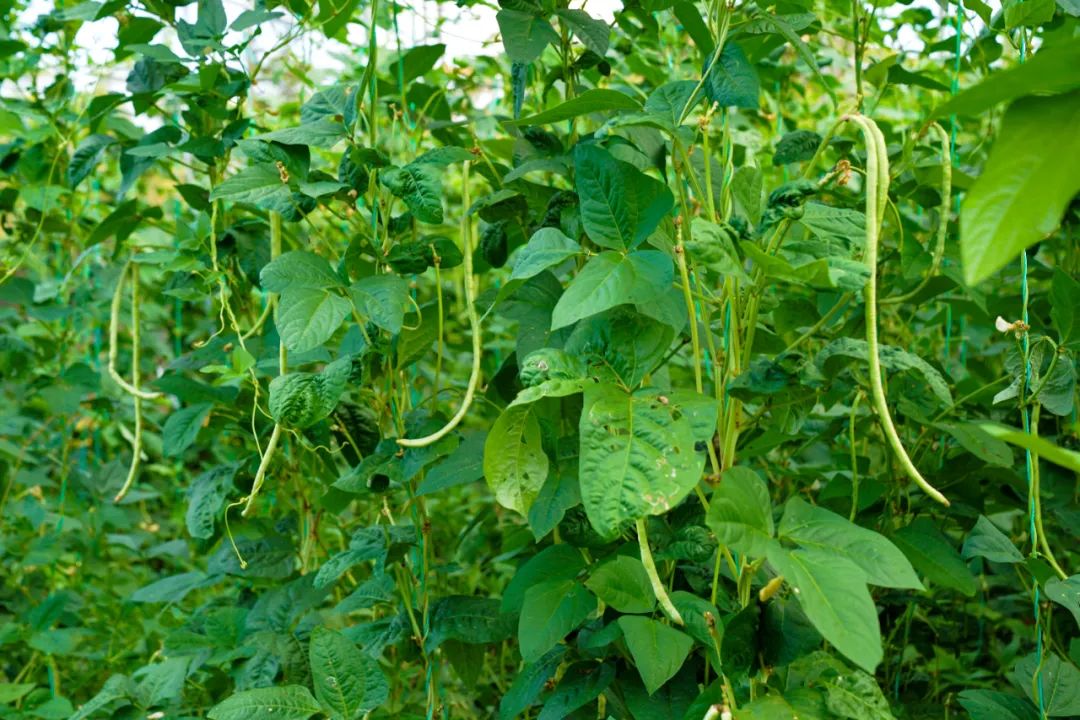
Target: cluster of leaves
{"type": "Point", "coordinates": [628, 309]}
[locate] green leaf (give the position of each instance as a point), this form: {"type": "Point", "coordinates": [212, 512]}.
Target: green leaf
{"type": "Point", "coordinates": [841, 226]}
{"type": "Point", "coordinates": [1050, 71]}
{"type": "Point", "coordinates": [732, 80]}
{"type": "Point", "coordinates": [546, 248]}
{"type": "Point", "coordinates": [86, 157]}
{"type": "Point", "coordinates": [525, 35]}
{"type": "Point", "coordinates": [557, 562]}
{"type": "Point", "coordinates": [289, 702]}
{"type": "Point", "coordinates": [988, 542]}
{"type": "Point", "coordinates": [623, 584]}
{"type": "Point", "coordinates": [182, 427]}
{"type": "Point", "coordinates": [115, 688]}
{"type": "Point", "coordinates": [620, 205]}
{"type": "Point", "coordinates": [581, 684]}
{"type": "Point", "coordinates": [993, 705]}
{"type": "Point", "coordinates": [1060, 683]}
{"type": "Point", "coordinates": [611, 279]}
{"type": "Point", "coordinates": [464, 465]}
{"type": "Point", "coordinates": [1024, 188]}
{"type": "Point", "coordinates": [515, 464]}
{"type": "Point", "coordinates": [892, 358]}
{"type": "Point", "coordinates": [979, 443]}
{"type": "Point", "coordinates": [819, 529]}
{"type": "Point", "coordinates": [594, 34]}
{"type": "Point", "coordinates": [172, 589]}
{"type": "Point", "coordinates": [796, 146]}
{"type": "Point", "coordinates": [596, 99]}
{"type": "Point", "coordinates": [347, 682]}
{"type": "Point", "coordinates": [1065, 306]}
{"type": "Point", "coordinates": [550, 612]}
{"type": "Point", "coordinates": [658, 650]}
{"type": "Point", "coordinates": [782, 27]}
{"type": "Point", "coordinates": [298, 270]}
{"type": "Point", "coordinates": [623, 341]}
{"type": "Point", "coordinates": [641, 452]}
{"type": "Point", "coordinates": [1065, 593]}
{"type": "Point", "coordinates": [740, 512]}
{"type": "Point", "coordinates": [669, 101]}
{"type": "Point", "coordinates": [308, 318]}
{"type": "Point", "coordinates": [1027, 13]}
{"type": "Point", "coordinates": [10, 692]}
{"type": "Point", "coordinates": [300, 399]}
{"type": "Point", "coordinates": [324, 132]}
{"type": "Point", "coordinates": [856, 695]}
{"type": "Point", "coordinates": [1068, 459]}
{"type": "Point", "coordinates": [934, 557]}
{"type": "Point", "coordinates": [383, 299]}
{"type": "Point", "coordinates": [529, 683]}
{"type": "Point", "coordinates": [418, 184]}
{"type": "Point", "coordinates": [376, 589]}
{"type": "Point", "coordinates": [255, 184]}
{"type": "Point", "coordinates": [832, 592]}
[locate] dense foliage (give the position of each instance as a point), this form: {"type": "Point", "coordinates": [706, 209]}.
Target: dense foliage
{"type": "Point", "coordinates": [717, 361]}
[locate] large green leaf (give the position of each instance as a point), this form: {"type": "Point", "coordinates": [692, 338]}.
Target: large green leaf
{"type": "Point", "coordinates": [590, 101]}
{"type": "Point", "coordinates": [658, 650]}
{"type": "Point", "coordinates": [732, 81]}
{"type": "Point", "coordinates": [986, 541]}
{"type": "Point", "coordinates": [307, 318]}
{"type": "Point", "coordinates": [298, 269]}
{"type": "Point", "coordinates": [86, 157]}
{"type": "Point", "coordinates": [301, 399]}
{"type": "Point", "coordinates": [255, 184]}
{"type": "Point", "coordinates": [994, 705]}
{"type": "Point", "coordinates": [1025, 187]}
{"type": "Point", "coordinates": [1060, 686]}
{"type": "Point", "coordinates": [324, 132]}
{"type": "Point", "coordinates": [740, 512]}
{"type": "Point", "coordinates": [550, 612]}
{"type": "Point", "coordinates": [856, 695]}
{"type": "Point", "coordinates": [418, 184]}
{"type": "Point", "coordinates": [382, 299]}
{"type": "Point", "coordinates": [288, 702]}
{"type": "Point", "coordinates": [515, 464]}
{"type": "Point", "coordinates": [581, 684]}
{"type": "Point", "coordinates": [817, 528]}
{"type": "Point", "coordinates": [593, 34]}
{"type": "Point", "coordinates": [557, 562]}
{"type": "Point", "coordinates": [641, 452]}
{"type": "Point", "coordinates": [623, 584]}
{"type": "Point", "coordinates": [934, 557]}
{"type": "Point", "coordinates": [347, 682]}
{"type": "Point", "coordinates": [525, 35]}
{"type": "Point", "coordinates": [1065, 593]}
{"type": "Point", "coordinates": [832, 592]}
{"type": "Point", "coordinates": [830, 359]}
{"type": "Point", "coordinates": [546, 248]}
{"type": "Point", "coordinates": [611, 279]}
{"type": "Point", "coordinates": [182, 427]}
{"type": "Point", "coordinates": [620, 205]}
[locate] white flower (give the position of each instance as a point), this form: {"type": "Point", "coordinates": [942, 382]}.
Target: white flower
{"type": "Point", "coordinates": [1003, 325]}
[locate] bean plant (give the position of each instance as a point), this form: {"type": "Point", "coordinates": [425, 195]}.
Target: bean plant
{"type": "Point", "coordinates": [679, 359]}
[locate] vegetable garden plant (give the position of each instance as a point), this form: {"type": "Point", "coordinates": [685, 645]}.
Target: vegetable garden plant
{"type": "Point", "coordinates": [713, 361]}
